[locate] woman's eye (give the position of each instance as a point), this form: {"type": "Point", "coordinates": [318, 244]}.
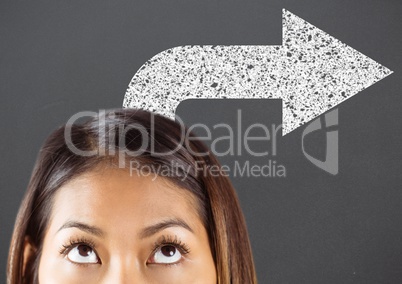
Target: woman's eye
{"type": "Point", "coordinates": [82, 254]}
{"type": "Point", "coordinates": [166, 254]}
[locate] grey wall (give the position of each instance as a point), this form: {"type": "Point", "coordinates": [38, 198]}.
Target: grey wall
{"type": "Point", "coordinates": [58, 58]}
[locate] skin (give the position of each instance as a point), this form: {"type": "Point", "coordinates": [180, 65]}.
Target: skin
{"type": "Point", "coordinates": [121, 216]}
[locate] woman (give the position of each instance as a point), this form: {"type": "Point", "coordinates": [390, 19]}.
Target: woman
{"type": "Point", "coordinates": [127, 197]}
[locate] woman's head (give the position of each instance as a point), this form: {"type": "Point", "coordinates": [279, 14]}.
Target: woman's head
{"type": "Point", "coordinates": [128, 196]}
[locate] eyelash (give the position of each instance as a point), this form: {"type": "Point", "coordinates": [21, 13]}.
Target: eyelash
{"type": "Point", "coordinates": [173, 241]}
{"type": "Point", "coordinates": [65, 248]}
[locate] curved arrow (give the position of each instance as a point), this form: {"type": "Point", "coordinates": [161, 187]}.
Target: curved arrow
{"type": "Point", "coordinates": [311, 72]}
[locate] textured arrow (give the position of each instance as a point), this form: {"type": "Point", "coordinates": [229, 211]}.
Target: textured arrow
{"type": "Point", "coordinates": [311, 72]}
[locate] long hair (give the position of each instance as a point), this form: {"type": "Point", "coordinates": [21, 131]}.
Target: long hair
{"type": "Point", "coordinates": [110, 137]}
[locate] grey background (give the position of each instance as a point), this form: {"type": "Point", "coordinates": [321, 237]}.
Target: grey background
{"type": "Point", "coordinates": [58, 58]}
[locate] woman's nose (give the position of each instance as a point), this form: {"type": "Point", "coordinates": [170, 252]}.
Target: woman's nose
{"type": "Point", "coordinates": [124, 272]}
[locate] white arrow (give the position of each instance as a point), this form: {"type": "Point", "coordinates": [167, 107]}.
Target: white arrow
{"type": "Point", "coordinates": [311, 72]}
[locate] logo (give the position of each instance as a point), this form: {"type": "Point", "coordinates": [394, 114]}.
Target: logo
{"type": "Point", "coordinates": [330, 164]}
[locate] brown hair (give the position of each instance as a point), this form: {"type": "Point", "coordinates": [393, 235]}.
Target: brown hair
{"type": "Point", "coordinates": [112, 133]}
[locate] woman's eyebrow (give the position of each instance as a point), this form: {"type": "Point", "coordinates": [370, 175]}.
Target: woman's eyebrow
{"type": "Point", "coordinates": [83, 227]}
{"type": "Point", "coordinates": [172, 222]}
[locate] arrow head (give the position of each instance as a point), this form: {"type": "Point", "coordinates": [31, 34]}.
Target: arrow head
{"type": "Point", "coordinates": [319, 72]}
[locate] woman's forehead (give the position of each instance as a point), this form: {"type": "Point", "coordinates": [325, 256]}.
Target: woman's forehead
{"type": "Point", "coordinates": [114, 197]}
